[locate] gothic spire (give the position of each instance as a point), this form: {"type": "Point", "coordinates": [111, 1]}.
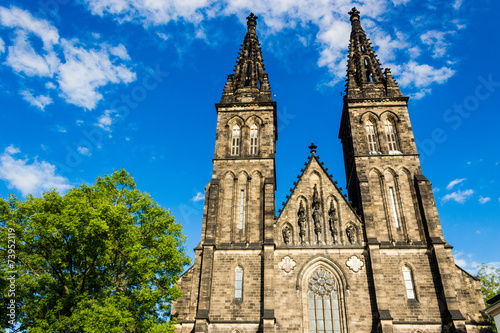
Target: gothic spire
{"type": "Point", "coordinates": [364, 75]}
{"type": "Point", "coordinates": [249, 82]}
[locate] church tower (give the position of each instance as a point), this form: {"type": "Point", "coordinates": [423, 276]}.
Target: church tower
{"type": "Point", "coordinates": [385, 183]}
{"type": "Point", "coordinates": [377, 262]}
{"type": "Point", "coordinates": [231, 279]}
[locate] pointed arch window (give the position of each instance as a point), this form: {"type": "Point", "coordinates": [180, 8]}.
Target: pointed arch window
{"type": "Point", "coordinates": [235, 141]}
{"type": "Point", "coordinates": [238, 288]}
{"type": "Point", "coordinates": [390, 132]}
{"type": "Point", "coordinates": [254, 137]}
{"type": "Point", "coordinates": [323, 303]}
{"type": "Point", "coordinates": [408, 278]}
{"type": "Point", "coordinates": [371, 132]}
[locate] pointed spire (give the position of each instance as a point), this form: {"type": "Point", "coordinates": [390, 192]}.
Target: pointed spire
{"type": "Point", "coordinates": [249, 83]}
{"type": "Point", "coordinates": [364, 75]}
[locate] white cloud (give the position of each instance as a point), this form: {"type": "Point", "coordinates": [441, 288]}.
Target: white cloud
{"type": "Point", "coordinates": [457, 4]}
{"type": "Point", "coordinates": [80, 73]}
{"type": "Point", "coordinates": [106, 120]}
{"type": "Point", "coordinates": [436, 41]}
{"type": "Point", "coordinates": [162, 35]}
{"type": "Point", "coordinates": [419, 76]}
{"type": "Point", "coordinates": [436, 189]}
{"type": "Point", "coordinates": [84, 151]}
{"type": "Point", "coordinates": [44, 147]}
{"type": "Point", "coordinates": [23, 58]}
{"type": "Point", "coordinates": [61, 129]}
{"type": "Point", "coordinates": [458, 196]}
{"type": "Point", "coordinates": [50, 85]}
{"type": "Point", "coordinates": [327, 19]}
{"type": "Point", "coordinates": [400, 2]}
{"type": "Point", "coordinates": [455, 182]}
{"type": "Point", "coordinates": [414, 52]}
{"type": "Point", "coordinates": [79, 122]}
{"type": "Point", "coordinates": [472, 266]}
{"type": "Point", "coordinates": [120, 51]}
{"type": "Point", "coordinates": [198, 197]}
{"type": "Point", "coordinates": [40, 101]}
{"type": "Point", "coordinates": [482, 200]}
{"type": "Point", "coordinates": [85, 71]}
{"type": "Point", "coordinates": [31, 178]}
{"type": "Point", "coordinates": [15, 17]}
{"type": "Point", "coordinates": [421, 93]}
{"type": "Point", "coordinates": [2, 46]}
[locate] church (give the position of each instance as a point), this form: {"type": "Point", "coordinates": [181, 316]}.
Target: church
{"type": "Point", "coordinates": [376, 261]}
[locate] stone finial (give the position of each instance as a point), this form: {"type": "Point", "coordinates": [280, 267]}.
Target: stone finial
{"type": "Point", "coordinates": [354, 14]}
{"type": "Point", "coordinates": [251, 22]}
{"type": "Point", "coordinates": [313, 147]}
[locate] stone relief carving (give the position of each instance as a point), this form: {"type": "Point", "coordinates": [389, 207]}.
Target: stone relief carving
{"type": "Point", "coordinates": [355, 264]}
{"type": "Point", "coordinates": [287, 264]}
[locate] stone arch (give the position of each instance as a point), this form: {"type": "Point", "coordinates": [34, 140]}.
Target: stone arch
{"type": "Point", "coordinates": [254, 119]}
{"type": "Point", "coordinates": [225, 230]}
{"type": "Point", "coordinates": [334, 287]}
{"type": "Point", "coordinates": [401, 266]}
{"type": "Point", "coordinates": [389, 114]}
{"type": "Point", "coordinates": [235, 120]}
{"type": "Point", "coordinates": [392, 140]}
{"type": "Point", "coordinates": [414, 222]}
{"type": "Point", "coordinates": [253, 232]}
{"type": "Point", "coordinates": [368, 115]}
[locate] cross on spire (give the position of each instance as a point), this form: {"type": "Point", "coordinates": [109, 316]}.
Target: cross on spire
{"type": "Point", "coordinates": [313, 147]}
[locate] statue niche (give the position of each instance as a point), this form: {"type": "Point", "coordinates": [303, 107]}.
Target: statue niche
{"type": "Point", "coordinates": [332, 221]}
{"type": "Point", "coordinates": [287, 234]}
{"type": "Point", "coordinates": [302, 222]}
{"type": "Point", "coordinates": [350, 232]}
{"type": "Point", "coordinates": [316, 215]}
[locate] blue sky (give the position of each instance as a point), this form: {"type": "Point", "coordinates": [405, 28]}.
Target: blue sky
{"type": "Point", "coordinates": [90, 86]}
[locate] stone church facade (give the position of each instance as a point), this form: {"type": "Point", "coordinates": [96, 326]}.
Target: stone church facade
{"type": "Point", "coordinates": [376, 263]}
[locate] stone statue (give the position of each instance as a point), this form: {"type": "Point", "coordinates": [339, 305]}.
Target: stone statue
{"type": "Point", "coordinates": [316, 213]}
{"type": "Point", "coordinates": [302, 222]}
{"type": "Point", "coordinates": [350, 231]}
{"type": "Point", "coordinates": [287, 234]}
{"type": "Point", "coordinates": [332, 219]}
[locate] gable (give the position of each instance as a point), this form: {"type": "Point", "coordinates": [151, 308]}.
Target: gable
{"type": "Point", "coordinates": [325, 218]}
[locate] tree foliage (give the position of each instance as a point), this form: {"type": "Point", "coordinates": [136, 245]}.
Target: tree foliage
{"type": "Point", "coordinates": [101, 258]}
{"type": "Point", "coordinates": [490, 285]}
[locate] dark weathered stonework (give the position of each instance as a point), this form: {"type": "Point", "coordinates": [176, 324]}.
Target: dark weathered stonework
{"type": "Point", "coordinates": [350, 254]}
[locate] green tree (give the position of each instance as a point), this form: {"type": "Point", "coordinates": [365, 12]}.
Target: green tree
{"type": "Point", "coordinates": [101, 258]}
{"type": "Point", "coordinates": [490, 281]}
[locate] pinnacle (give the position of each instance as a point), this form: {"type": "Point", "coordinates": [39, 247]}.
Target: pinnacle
{"type": "Point", "coordinates": [249, 79]}
{"type": "Point", "coordinates": [364, 76]}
